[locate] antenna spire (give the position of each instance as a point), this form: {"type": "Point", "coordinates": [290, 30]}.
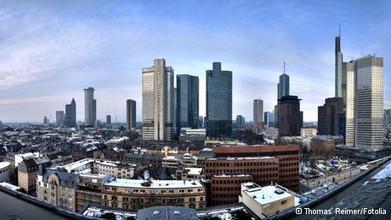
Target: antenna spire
{"type": "Point", "coordinates": [284, 66]}
{"type": "Point", "coordinates": [339, 30]}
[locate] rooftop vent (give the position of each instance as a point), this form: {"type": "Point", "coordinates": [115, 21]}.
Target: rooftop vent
{"type": "Point", "coordinates": [177, 212]}
{"type": "Point", "coordinates": [156, 213]}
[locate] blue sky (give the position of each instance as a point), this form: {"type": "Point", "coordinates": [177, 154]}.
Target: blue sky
{"type": "Point", "coordinates": [51, 50]}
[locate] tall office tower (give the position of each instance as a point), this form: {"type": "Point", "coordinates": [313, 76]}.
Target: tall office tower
{"type": "Point", "coordinates": [130, 114]}
{"type": "Point", "coordinates": [387, 117]}
{"type": "Point", "coordinates": [94, 112]}
{"type": "Point", "coordinates": [108, 119]}
{"type": "Point", "coordinates": [187, 101]}
{"type": "Point", "coordinates": [240, 121]}
{"type": "Point", "coordinates": [364, 109]}
{"type": "Point", "coordinates": [331, 117]}
{"type": "Point", "coordinates": [282, 90]}
{"type": "Point", "coordinates": [350, 103]}
{"type": "Point", "coordinates": [218, 102]}
{"type": "Point", "coordinates": [70, 114]}
{"type": "Point", "coordinates": [290, 116]}
{"type": "Point", "coordinates": [60, 118]}
{"type": "Point", "coordinates": [258, 115]}
{"type": "Point", "coordinates": [45, 120]}
{"type": "Point", "coordinates": [369, 103]}
{"type": "Point", "coordinates": [158, 103]}
{"type": "Point", "coordinates": [340, 70]}
{"type": "Point", "coordinates": [269, 119]}
{"type": "Point", "coordinates": [89, 107]}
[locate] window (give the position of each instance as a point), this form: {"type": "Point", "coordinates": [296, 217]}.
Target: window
{"type": "Point", "coordinates": [283, 202]}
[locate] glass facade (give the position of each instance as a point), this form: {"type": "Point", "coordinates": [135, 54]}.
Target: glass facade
{"type": "Point", "coordinates": [218, 102]}
{"type": "Point", "coordinates": [187, 101]}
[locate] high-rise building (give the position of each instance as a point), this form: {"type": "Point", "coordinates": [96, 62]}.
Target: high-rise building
{"type": "Point", "coordinates": [258, 114]}
{"type": "Point", "coordinates": [282, 90]}
{"type": "Point", "coordinates": [364, 108]}
{"type": "Point", "coordinates": [269, 119]}
{"type": "Point", "coordinates": [130, 114]}
{"type": "Point", "coordinates": [290, 116]}
{"type": "Point", "coordinates": [218, 102]}
{"type": "Point", "coordinates": [187, 101]}
{"type": "Point", "coordinates": [387, 117]}
{"type": "Point", "coordinates": [89, 107]}
{"type": "Point", "coordinates": [70, 114]}
{"type": "Point", "coordinates": [331, 117]}
{"type": "Point", "coordinates": [340, 70]}
{"type": "Point", "coordinates": [240, 121]}
{"type": "Point", "coordinates": [158, 103]}
{"type": "Point", "coordinates": [60, 118]}
{"type": "Point", "coordinates": [45, 120]}
{"type": "Point", "coordinates": [108, 119]}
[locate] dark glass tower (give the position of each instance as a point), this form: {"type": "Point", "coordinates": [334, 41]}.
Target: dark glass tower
{"type": "Point", "coordinates": [70, 114]}
{"type": "Point", "coordinates": [218, 102]}
{"type": "Point", "coordinates": [187, 101]}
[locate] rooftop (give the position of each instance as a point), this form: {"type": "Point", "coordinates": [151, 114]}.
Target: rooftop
{"type": "Point", "coordinates": [4, 164]}
{"type": "Point", "coordinates": [267, 194]}
{"type": "Point", "coordinates": [131, 183]}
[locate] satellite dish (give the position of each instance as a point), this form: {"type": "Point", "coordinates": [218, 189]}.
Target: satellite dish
{"type": "Point", "coordinates": [146, 175]}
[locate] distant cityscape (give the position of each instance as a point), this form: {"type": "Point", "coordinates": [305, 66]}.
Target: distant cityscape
{"type": "Point", "coordinates": [178, 164]}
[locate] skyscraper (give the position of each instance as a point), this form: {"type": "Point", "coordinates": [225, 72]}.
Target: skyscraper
{"type": "Point", "coordinates": [364, 109]}
{"type": "Point", "coordinates": [218, 102]}
{"type": "Point", "coordinates": [158, 103]}
{"type": "Point", "coordinates": [331, 117]}
{"type": "Point", "coordinates": [187, 101]}
{"type": "Point", "coordinates": [108, 119]}
{"type": "Point", "coordinates": [240, 121]}
{"type": "Point", "coordinates": [340, 70]}
{"type": "Point", "coordinates": [70, 114]}
{"type": "Point", "coordinates": [130, 114]}
{"type": "Point", "coordinates": [258, 114]}
{"type": "Point", "coordinates": [269, 119]}
{"type": "Point", "coordinates": [60, 118]}
{"type": "Point", "coordinates": [290, 116]}
{"type": "Point", "coordinates": [89, 107]}
{"type": "Point", "coordinates": [282, 90]}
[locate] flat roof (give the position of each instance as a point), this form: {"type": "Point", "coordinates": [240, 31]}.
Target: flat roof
{"type": "Point", "coordinates": [241, 158]}
{"type": "Point", "coordinates": [131, 183]}
{"type": "Point", "coordinates": [266, 194]}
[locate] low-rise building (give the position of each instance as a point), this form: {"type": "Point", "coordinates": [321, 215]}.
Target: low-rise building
{"type": "Point", "coordinates": [166, 212]}
{"type": "Point", "coordinates": [27, 173]}
{"type": "Point", "coordinates": [267, 200]}
{"type": "Point", "coordinates": [137, 194]}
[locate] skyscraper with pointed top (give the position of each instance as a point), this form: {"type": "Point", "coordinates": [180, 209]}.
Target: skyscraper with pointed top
{"type": "Point", "coordinates": [282, 90]}
{"type": "Point", "coordinates": [340, 69]}
{"type": "Point", "coordinates": [70, 114]}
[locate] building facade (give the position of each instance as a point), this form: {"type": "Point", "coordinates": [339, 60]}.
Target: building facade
{"type": "Point", "coordinates": [158, 103]}
{"type": "Point", "coordinates": [218, 102]}
{"type": "Point", "coordinates": [187, 99]}
{"type": "Point", "coordinates": [364, 108]}
{"type": "Point", "coordinates": [89, 107]}
{"type": "Point", "coordinates": [70, 114]}
{"type": "Point", "coordinates": [60, 116]}
{"type": "Point", "coordinates": [331, 117]}
{"type": "Point", "coordinates": [258, 114]}
{"type": "Point", "coordinates": [138, 194]}
{"type": "Point", "coordinates": [290, 116]}
{"type": "Point", "coordinates": [264, 165]}
{"type": "Point", "coordinates": [130, 114]}
{"type": "Point", "coordinates": [269, 118]}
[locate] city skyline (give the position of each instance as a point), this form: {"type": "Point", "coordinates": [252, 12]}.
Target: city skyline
{"type": "Point", "coordinates": [69, 50]}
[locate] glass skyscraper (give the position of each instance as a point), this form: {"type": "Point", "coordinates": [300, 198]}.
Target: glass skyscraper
{"type": "Point", "coordinates": [364, 107]}
{"type": "Point", "coordinates": [218, 102]}
{"type": "Point", "coordinates": [187, 101]}
{"type": "Point", "coordinates": [158, 101]}
{"type": "Point", "coordinates": [70, 114]}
